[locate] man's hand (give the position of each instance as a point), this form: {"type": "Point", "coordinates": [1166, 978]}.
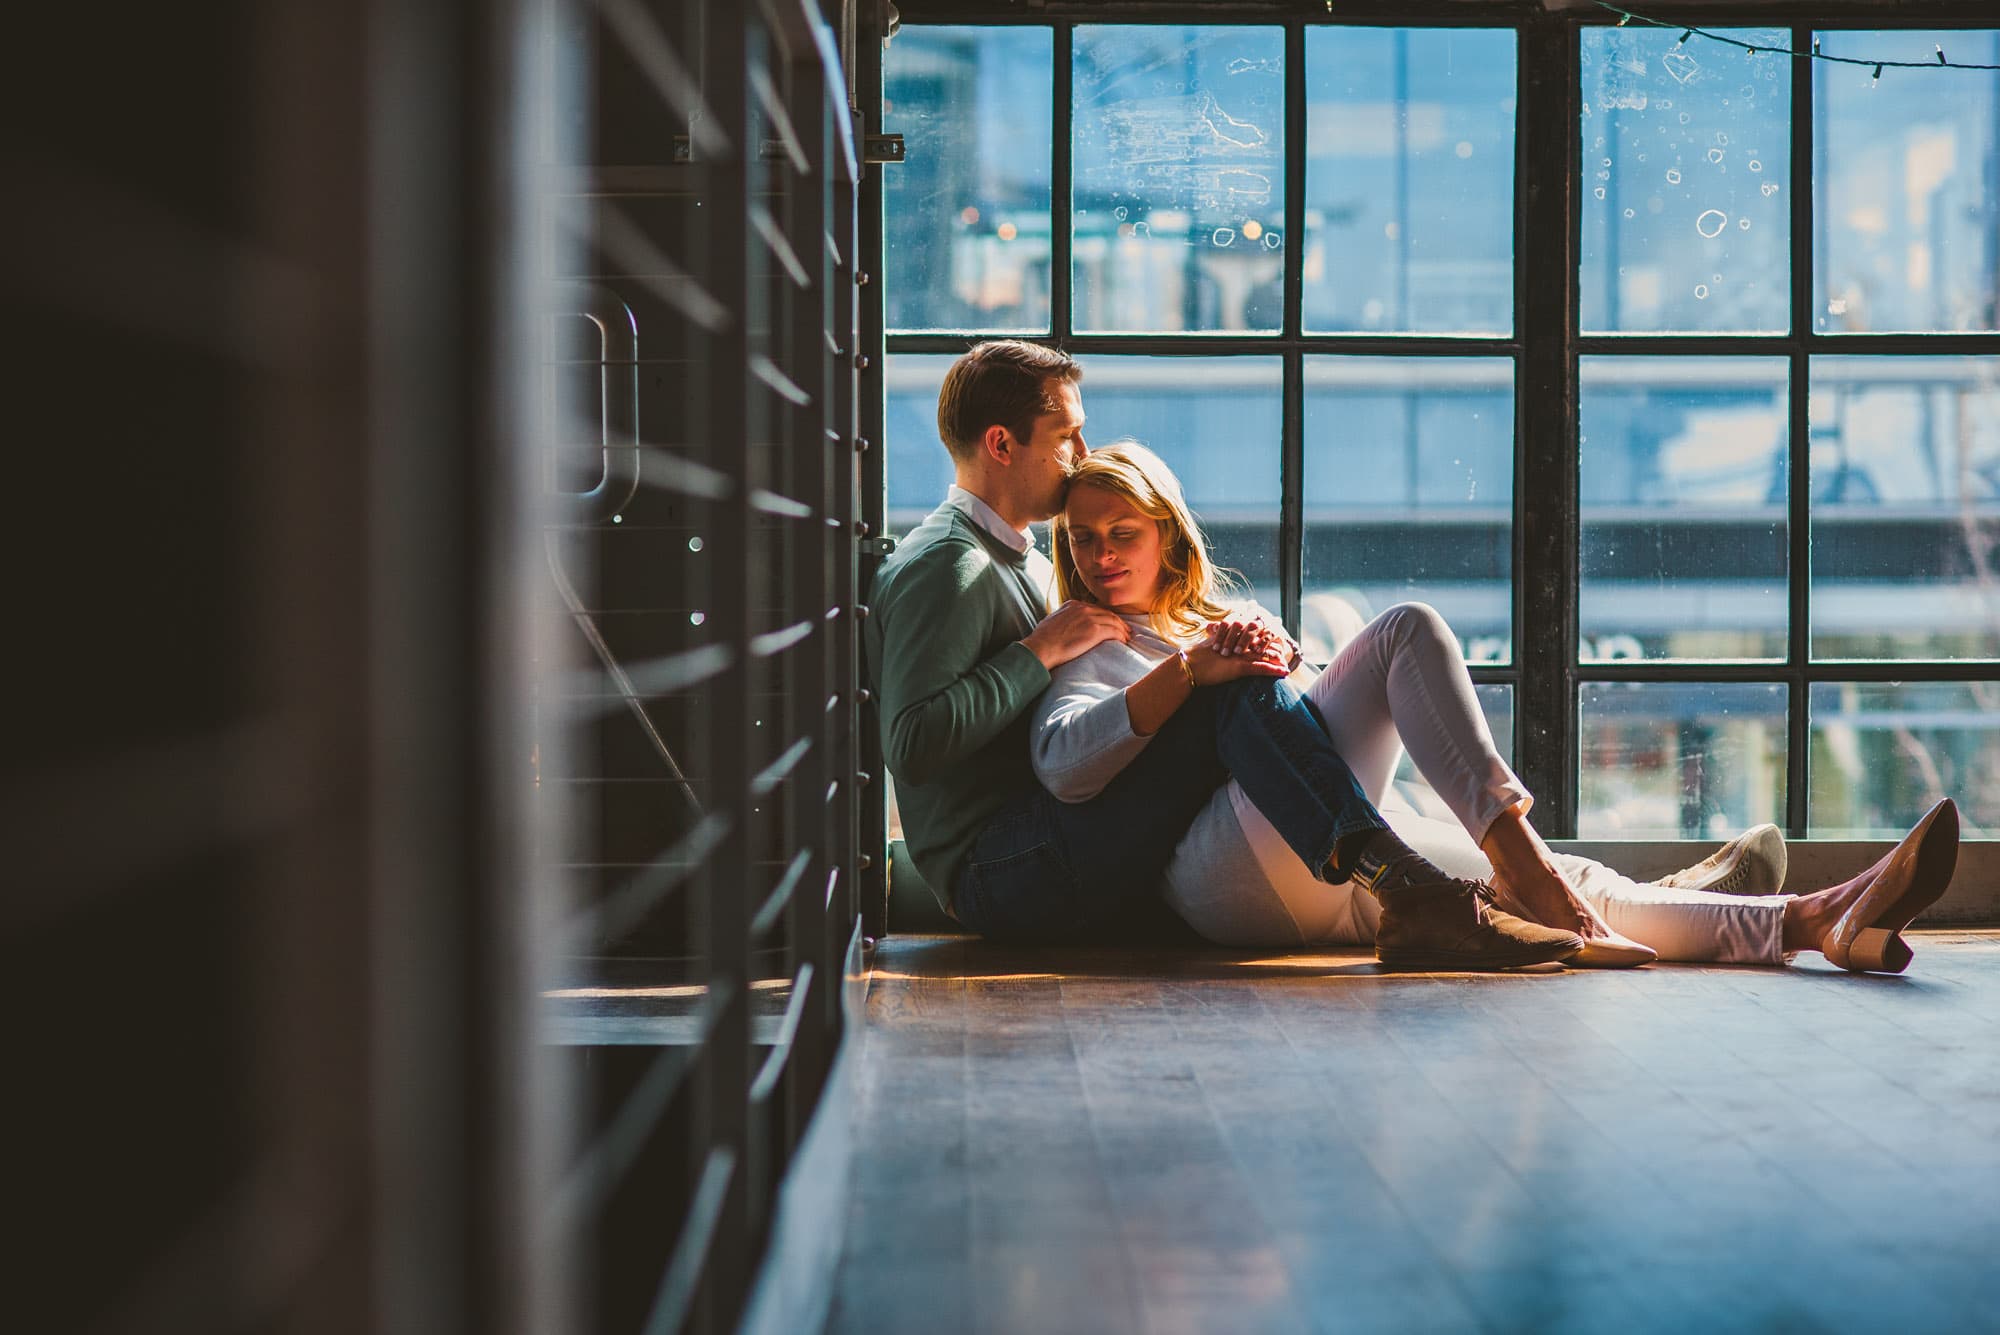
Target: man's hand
{"type": "Point", "coordinates": [1073, 630]}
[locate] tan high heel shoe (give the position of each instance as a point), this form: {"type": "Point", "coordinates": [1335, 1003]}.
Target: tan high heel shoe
{"type": "Point", "coordinates": [1869, 936]}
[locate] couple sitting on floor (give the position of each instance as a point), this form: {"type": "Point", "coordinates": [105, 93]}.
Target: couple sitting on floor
{"type": "Point", "coordinates": [1059, 772]}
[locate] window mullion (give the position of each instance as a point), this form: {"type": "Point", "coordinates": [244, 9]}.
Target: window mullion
{"type": "Point", "coordinates": [1291, 459]}
{"type": "Point", "coordinates": [1546, 467]}
{"type": "Point", "coordinates": [1061, 195]}
{"type": "Point", "coordinates": [1798, 507]}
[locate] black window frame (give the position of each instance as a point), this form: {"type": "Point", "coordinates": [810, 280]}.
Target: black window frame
{"type": "Point", "coordinates": [1545, 670]}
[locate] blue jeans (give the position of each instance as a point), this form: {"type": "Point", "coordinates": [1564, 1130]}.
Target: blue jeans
{"type": "Point", "coordinates": [1044, 870]}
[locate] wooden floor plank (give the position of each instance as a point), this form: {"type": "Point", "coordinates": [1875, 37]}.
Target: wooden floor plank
{"type": "Point", "coordinates": [1170, 1140]}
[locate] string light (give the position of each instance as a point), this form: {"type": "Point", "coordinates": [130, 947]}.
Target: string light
{"type": "Point", "coordinates": [1626, 16]}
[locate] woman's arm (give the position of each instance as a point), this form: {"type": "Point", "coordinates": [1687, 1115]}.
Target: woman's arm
{"type": "Point", "coordinates": [1153, 699]}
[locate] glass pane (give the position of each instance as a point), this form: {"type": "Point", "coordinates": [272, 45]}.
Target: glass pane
{"type": "Point", "coordinates": [1179, 147]}
{"type": "Point", "coordinates": [1904, 178]}
{"type": "Point", "coordinates": [1686, 164]}
{"type": "Point", "coordinates": [1883, 752]}
{"type": "Point", "coordinates": [1217, 423]}
{"type": "Point", "coordinates": [1215, 420]}
{"type": "Point", "coordinates": [917, 467]}
{"type": "Point", "coordinates": [966, 214]}
{"type": "Point", "coordinates": [1905, 507]}
{"type": "Point", "coordinates": [1683, 479]}
{"type": "Point", "coordinates": [1679, 761]}
{"type": "Point", "coordinates": [1410, 180]}
{"type": "Point", "coordinates": [1409, 494]}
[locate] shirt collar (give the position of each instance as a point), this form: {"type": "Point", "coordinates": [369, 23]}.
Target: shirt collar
{"type": "Point", "coordinates": [984, 515]}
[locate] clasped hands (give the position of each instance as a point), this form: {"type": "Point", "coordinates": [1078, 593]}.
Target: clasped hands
{"type": "Point", "coordinates": [1235, 647]}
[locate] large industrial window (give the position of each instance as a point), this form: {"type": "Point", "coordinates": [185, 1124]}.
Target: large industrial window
{"type": "Point", "coordinates": [1667, 369]}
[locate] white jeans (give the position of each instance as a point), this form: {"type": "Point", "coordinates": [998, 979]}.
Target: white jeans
{"type": "Point", "coordinates": [1401, 682]}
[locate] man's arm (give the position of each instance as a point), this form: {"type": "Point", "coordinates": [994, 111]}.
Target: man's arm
{"type": "Point", "coordinates": [942, 697]}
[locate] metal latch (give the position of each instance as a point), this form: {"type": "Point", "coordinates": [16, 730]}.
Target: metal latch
{"type": "Point", "coordinates": [877, 546]}
{"type": "Point", "coordinates": [881, 148]}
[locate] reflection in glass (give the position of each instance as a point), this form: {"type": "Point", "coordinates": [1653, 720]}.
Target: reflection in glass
{"type": "Point", "coordinates": [1906, 507]}
{"type": "Point", "coordinates": [1683, 484]}
{"type": "Point", "coordinates": [1215, 420]}
{"type": "Point", "coordinates": [1685, 172]}
{"type": "Point", "coordinates": [966, 214]}
{"type": "Point", "coordinates": [1679, 760]}
{"type": "Point", "coordinates": [1905, 176]}
{"type": "Point", "coordinates": [1409, 494]}
{"type": "Point", "coordinates": [1409, 180]}
{"type": "Point", "coordinates": [1179, 154]}
{"type": "Point", "coordinates": [1883, 752]}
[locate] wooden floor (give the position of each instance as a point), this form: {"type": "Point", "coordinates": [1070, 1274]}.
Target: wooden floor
{"type": "Point", "coordinates": [1189, 1140]}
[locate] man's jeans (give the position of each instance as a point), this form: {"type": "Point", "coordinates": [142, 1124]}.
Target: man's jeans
{"type": "Point", "coordinates": [1044, 870]}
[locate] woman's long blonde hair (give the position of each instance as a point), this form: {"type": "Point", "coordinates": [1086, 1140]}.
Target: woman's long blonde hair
{"type": "Point", "coordinates": [1192, 585]}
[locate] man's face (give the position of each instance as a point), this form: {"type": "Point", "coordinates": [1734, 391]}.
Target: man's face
{"type": "Point", "coordinates": [1046, 458]}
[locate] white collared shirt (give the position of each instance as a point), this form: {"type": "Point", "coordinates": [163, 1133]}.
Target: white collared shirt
{"type": "Point", "coordinates": [1040, 573]}
{"type": "Point", "coordinates": [984, 515]}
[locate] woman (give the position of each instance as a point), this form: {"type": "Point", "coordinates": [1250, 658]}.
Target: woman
{"type": "Point", "coordinates": [1128, 541]}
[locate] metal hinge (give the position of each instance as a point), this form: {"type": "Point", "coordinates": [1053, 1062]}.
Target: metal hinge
{"type": "Point", "coordinates": [877, 546]}
{"type": "Point", "coordinates": [882, 148]}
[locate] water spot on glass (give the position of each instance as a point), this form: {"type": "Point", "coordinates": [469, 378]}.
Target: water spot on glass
{"type": "Point", "coordinates": [1673, 176]}
{"type": "Point", "coordinates": [1680, 65]}
{"type": "Point", "coordinates": [694, 543]}
{"type": "Point", "coordinates": [1642, 157]}
{"type": "Point", "coordinates": [1715, 155]}
{"type": "Point", "coordinates": [1684, 118]}
{"type": "Point", "coordinates": [1701, 291]}
{"type": "Point", "coordinates": [1599, 142]}
{"type": "Point", "coordinates": [1770, 189]}
{"type": "Point", "coordinates": [1837, 306]}
{"type": "Point", "coordinates": [1464, 149]}
{"type": "Point", "coordinates": [1666, 104]}
{"type": "Point", "coordinates": [1748, 90]}
{"type": "Point", "coordinates": [1224, 236]}
{"type": "Point", "coordinates": [1599, 192]}
{"type": "Point", "coordinates": [1141, 228]}
{"type": "Point", "coordinates": [1271, 241]}
{"type": "Point", "coordinates": [1755, 165]}
{"type": "Point", "coordinates": [618, 519]}
{"type": "Point", "coordinates": [1711, 222]}
{"type": "Point", "coordinates": [1722, 138]}
{"type": "Point", "coordinates": [1605, 163]}
{"type": "Point", "coordinates": [1604, 176]}
{"type": "Point", "coordinates": [1630, 213]}
{"type": "Point", "coordinates": [1743, 224]}
{"type": "Point", "coordinates": [1119, 212]}
{"type": "Point", "coordinates": [696, 618]}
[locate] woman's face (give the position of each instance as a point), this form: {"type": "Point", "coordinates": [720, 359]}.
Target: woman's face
{"type": "Point", "coordinates": [1116, 548]}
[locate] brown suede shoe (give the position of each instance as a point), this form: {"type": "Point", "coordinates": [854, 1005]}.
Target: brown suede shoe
{"type": "Point", "coordinates": [1451, 925]}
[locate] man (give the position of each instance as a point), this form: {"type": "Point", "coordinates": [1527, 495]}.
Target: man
{"type": "Point", "coordinates": [960, 646]}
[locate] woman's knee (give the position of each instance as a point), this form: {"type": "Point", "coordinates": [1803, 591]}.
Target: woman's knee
{"type": "Point", "coordinates": [1415, 622]}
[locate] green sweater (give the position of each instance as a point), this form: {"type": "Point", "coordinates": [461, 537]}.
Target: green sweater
{"type": "Point", "coordinates": [954, 685]}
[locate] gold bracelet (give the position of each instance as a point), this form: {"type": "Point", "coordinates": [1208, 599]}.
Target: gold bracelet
{"type": "Point", "coordinates": [1187, 669]}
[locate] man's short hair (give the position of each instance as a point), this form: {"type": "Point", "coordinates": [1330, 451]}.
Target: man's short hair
{"type": "Point", "coordinates": [1001, 383]}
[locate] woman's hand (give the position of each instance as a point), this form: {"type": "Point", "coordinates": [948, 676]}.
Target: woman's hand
{"type": "Point", "coordinates": [1212, 666]}
{"type": "Point", "coordinates": [1252, 635]}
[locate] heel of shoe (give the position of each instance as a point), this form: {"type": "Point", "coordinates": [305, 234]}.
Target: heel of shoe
{"type": "Point", "coordinates": [1879, 950]}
